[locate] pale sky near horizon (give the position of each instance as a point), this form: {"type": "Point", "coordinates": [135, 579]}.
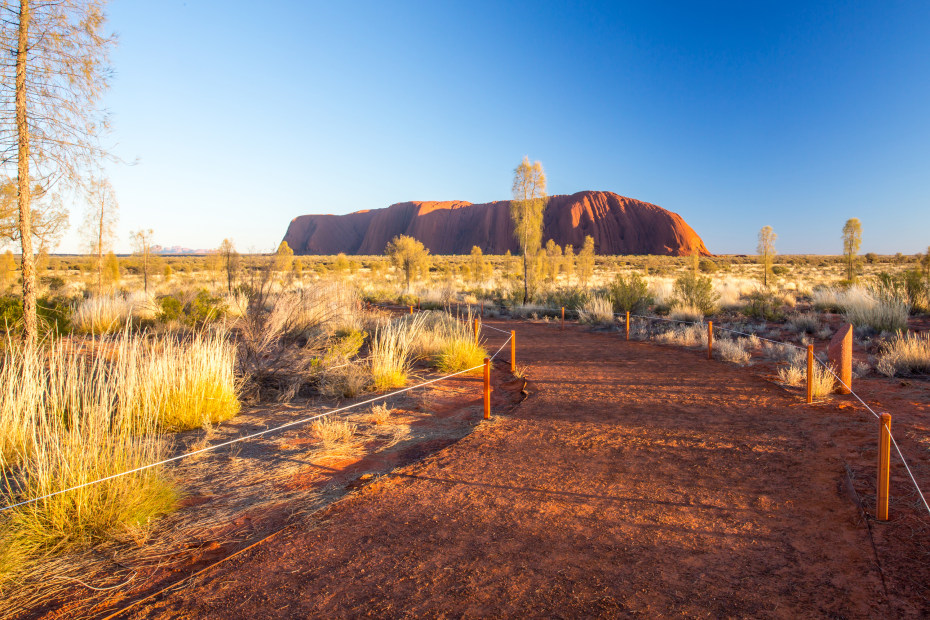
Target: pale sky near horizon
{"type": "Point", "coordinates": [734, 115]}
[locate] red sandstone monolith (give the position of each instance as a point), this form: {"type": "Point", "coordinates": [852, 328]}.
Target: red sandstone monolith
{"type": "Point", "coordinates": [840, 355]}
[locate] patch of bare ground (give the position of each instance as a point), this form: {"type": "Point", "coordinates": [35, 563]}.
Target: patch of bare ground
{"type": "Point", "coordinates": [237, 495]}
{"type": "Point", "coordinates": [635, 480]}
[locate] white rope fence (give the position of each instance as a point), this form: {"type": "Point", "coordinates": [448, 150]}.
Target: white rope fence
{"type": "Point", "coordinates": [829, 368]}
{"type": "Point", "coordinates": [251, 436]}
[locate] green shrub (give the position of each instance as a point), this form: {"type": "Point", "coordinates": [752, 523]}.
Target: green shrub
{"type": "Point", "coordinates": [707, 266]}
{"type": "Point", "coordinates": [170, 309]}
{"type": "Point", "coordinates": [204, 308]}
{"type": "Point", "coordinates": [630, 294]}
{"type": "Point", "coordinates": [780, 270]}
{"type": "Point", "coordinates": [695, 291]}
{"type": "Point", "coordinates": [763, 305]}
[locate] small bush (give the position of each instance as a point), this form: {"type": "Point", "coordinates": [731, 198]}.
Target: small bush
{"type": "Point", "coordinates": [731, 351]}
{"type": "Point", "coordinates": [170, 309]}
{"type": "Point", "coordinates": [905, 354]}
{"type": "Point", "coordinates": [392, 351]}
{"type": "Point", "coordinates": [687, 314]}
{"type": "Point", "coordinates": [804, 323]}
{"type": "Point", "coordinates": [763, 305]}
{"type": "Point", "coordinates": [597, 311]}
{"type": "Point", "coordinates": [792, 375]}
{"type": "Point", "coordinates": [204, 308]}
{"type": "Point", "coordinates": [333, 433]}
{"type": "Point", "coordinates": [630, 294]}
{"type": "Point", "coordinates": [822, 380]}
{"type": "Point", "coordinates": [695, 291]}
{"type": "Point", "coordinates": [380, 414]}
{"type": "Point", "coordinates": [707, 266]}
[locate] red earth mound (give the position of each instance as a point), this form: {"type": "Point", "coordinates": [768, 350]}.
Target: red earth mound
{"type": "Point", "coordinates": [618, 225]}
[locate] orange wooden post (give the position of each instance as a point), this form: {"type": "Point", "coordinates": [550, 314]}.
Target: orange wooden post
{"type": "Point", "coordinates": [563, 318]}
{"type": "Point", "coordinates": [710, 340]}
{"type": "Point", "coordinates": [627, 324]}
{"type": "Point", "coordinates": [411, 309]}
{"type": "Point", "coordinates": [884, 466]}
{"type": "Point", "coordinates": [418, 304]}
{"type": "Point", "coordinates": [487, 388]}
{"type": "Point", "coordinates": [810, 374]}
{"type": "Point", "coordinates": [477, 330]}
{"type": "Point", "coordinates": [513, 350]}
{"type": "Point", "coordinates": [482, 308]}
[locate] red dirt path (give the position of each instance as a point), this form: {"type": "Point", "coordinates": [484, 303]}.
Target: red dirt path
{"type": "Point", "coordinates": [635, 480]}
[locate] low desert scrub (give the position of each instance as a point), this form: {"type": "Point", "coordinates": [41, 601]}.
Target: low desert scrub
{"type": "Point", "coordinates": [380, 414]}
{"type": "Point", "coordinates": [822, 380]}
{"type": "Point", "coordinates": [345, 381]}
{"type": "Point", "coordinates": [684, 335]}
{"type": "Point", "coordinates": [64, 425]}
{"type": "Point", "coordinates": [687, 314]}
{"type": "Point", "coordinates": [804, 323]}
{"type": "Point", "coordinates": [333, 433]}
{"type": "Point", "coordinates": [905, 354]}
{"type": "Point", "coordinates": [596, 311]}
{"type": "Point", "coordinates": [102, 314]}
{"type": "Point", "coordinates": [731, 351]}
{"type": "Point", "coordinates": [792, 375]}
{"type": "Point", "coordinates": [883, 313]}
{"type": "Point", "coordinates": [450, 343]}
{"type": "Point", "coordinates": [393, 351]}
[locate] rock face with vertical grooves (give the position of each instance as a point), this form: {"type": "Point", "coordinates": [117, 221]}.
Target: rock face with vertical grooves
{"type": "Point", "coordinates": [619, 225]}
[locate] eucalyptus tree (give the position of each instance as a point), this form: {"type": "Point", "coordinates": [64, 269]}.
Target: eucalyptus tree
{"type": "Point", "coordinates": [53, 75]}
{"type": "Point", "coordinates": [526, 211]}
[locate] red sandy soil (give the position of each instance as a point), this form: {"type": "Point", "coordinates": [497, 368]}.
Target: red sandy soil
{"type": "Point", "coordinates": [636, 480]}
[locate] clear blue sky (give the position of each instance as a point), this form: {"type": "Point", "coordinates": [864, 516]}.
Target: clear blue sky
{"type": "Point", "coordinates": [735, 115]}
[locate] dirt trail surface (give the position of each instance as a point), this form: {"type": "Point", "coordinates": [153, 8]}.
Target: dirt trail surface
{"type": "Point", "coordinates": [635, 480]}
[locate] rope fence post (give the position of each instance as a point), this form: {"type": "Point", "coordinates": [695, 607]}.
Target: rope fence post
{"type": "Point", "coordinates": [411, 309]}
{"type": "Point", "coordinates": [418, 304]}
{"type": "Point", "coordinates": [487, 388]}
{"type": "Point", "coordinates": [563, 318]}
{"type": "Point", "coordinates": [513, 350]}
{"type": "Point", "coordinates": [710, 340]}
{"type": "Point", "coordinates": [627, 324]}
{"type": "Point", "coordinates": [810, 374]}
{"type": "Point", "coordinates": [884, 467]}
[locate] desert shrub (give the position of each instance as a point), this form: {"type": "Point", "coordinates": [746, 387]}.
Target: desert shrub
{"type": "Point", "coordinates": [570, 298]}
{"type": "Point", "coordinates": [804, 323]}
{"type": "Point", "coordinates": [763, 305]}
{"type": "Point", "coordinates": [695, 291]}
{"type": "Point", "coordinates": [204, 308]}
{"type": "Point", "coordinates": [342, 381]}
{"type": "Point", "coordinates": [707, 266]}
{"type": "Point", "coordinates": [731, 351]}
{"type": "Point", "coordinates": [102, 314]}
{"type": "Point", "coordinates": [687, 314]}
{"type": "Point", "coordinates": [380, 414]}
{"type": "Point", "coordinates": [780, 270]}
{"type": "Point", "coordinates": [65, 423]}
{"type": "Point", "coordinates": [597, 311]}
{"type": "Point", "coordinates": [905, 354]}
{"type": "Point", "coordinates": [792, 375]}
{"type": "Point", "coordinates": [333, 433]}
{"type": "Point", "coordinates": [684, 335]}
{"type": "Point", "coordinates": [887, 314]}
{"type": "Point", "coordinates": [909, 287]}
{"type": "Point", "coordinates": [170, 309]}
{"type": "Point", "coordinates": [822, 380]}
{"type": "Point", "coordinates": [630, 294]}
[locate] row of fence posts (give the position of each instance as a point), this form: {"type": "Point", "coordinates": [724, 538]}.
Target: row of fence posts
{"type": "Point", "coordinates": [845, 373]}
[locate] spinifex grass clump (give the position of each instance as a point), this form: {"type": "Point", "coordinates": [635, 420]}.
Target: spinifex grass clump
{"type": "Point", "coordinates": [392, 351]}
{"type": "Point", "coordinates": [63, 426]}
{"type": "Point", "coordinates": [183, 383]}
{"type": "Point", "coordinates": [905, 354]}
{"type": "Point", "coordinates": [450, 343]}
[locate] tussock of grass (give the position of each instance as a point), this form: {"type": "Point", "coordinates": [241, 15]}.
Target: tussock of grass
{"type": "Point", "coordinates": [392, 351]}
{"type": "Point", "coordinates": [63, 425]}
{"type": "Point", "coordinates": [684, 336]}
{"type": "Point", "coordinates": [380, 413]}
{"type": "Point", "coordinates": [596, 311]}
{"type": "Point", "coordinates": [731, 351]}
{"type": "Point", "coordinates": [792, 375]}
{"type": "Point", "coordinates": [822, 381]}
{"type": "Point", "coordinates": [905, 354]}
{"type": "Point", "coordinates": [689, 314]}
{"type": "Point", "coordinates": [333, 433]}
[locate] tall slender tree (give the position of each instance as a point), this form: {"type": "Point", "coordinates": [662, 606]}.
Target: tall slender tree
{"type": "Point", "coordinates": [100, 220]}
{"type": "Point", "coordinates": [586, 261]}
{"type": "Point", "coordinates": [50, 120]}
{"type": "Point", "coordinates": [142, 244]}
{"type": "Point", "coordinates": [766, 249]}
{"type": "Point", "coordinates": [526, 211]}
{"type": "Point", "coordinates": [852, 239]}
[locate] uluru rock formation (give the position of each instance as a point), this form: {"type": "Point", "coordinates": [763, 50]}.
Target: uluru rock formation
{"type": "Point", "coordinates": [619, 225]}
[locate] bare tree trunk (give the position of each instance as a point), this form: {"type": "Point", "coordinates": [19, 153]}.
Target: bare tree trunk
{"type": "Point", "coordinates": [30, 331]}
{"type": "Point", "coordinates": [100, 248]}
{"type": "Point", "coordinates": [526, 287]}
